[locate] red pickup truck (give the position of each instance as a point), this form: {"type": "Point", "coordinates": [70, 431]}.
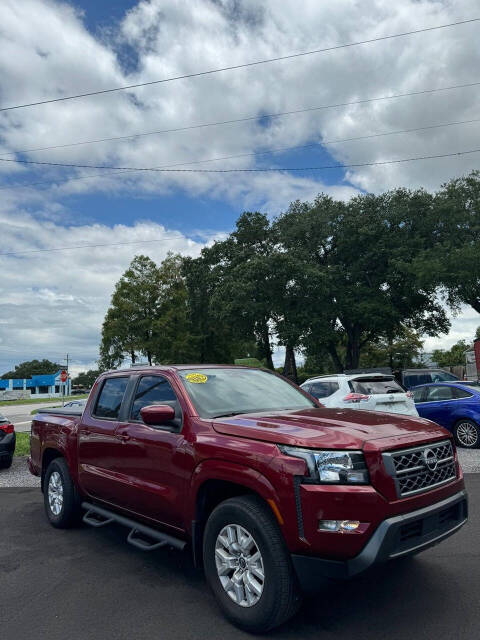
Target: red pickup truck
{"type": "Point", "coordinates": [269, 490]}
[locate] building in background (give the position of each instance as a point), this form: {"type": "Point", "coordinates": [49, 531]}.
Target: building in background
{"type": "Point", "coordinates": [40, 386]}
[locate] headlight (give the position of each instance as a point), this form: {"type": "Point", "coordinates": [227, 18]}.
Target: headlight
{"type": "Point", "coordinates": [331, 467]}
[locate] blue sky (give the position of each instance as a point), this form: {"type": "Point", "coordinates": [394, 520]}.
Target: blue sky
{"type": "Point", "coordinates": [54, 302]}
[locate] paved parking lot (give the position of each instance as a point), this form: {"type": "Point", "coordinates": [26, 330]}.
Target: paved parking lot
{"type": "Point", "coordinates": [87, 584]}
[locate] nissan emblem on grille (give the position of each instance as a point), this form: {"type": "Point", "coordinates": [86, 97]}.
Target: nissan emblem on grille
{"type": "Point", "coordinates": [420, 469]}
{"type": "Point", "coordinates": [430, 459]}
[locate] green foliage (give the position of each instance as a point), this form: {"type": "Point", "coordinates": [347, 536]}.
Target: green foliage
{"type": "Point", "coordinates": [451, 357]}
{"type": "Point", "coordinates": [22, 445]}
{"type": "Point", "coordinates": [353, 271]}
{"type": "Point", "coordinates": [403, 351]}
{"type": "Point", "coordinates": [86, 378]}
{"type": "Point", "coordinates": [128, 326]}
{"type": "Point", "coordinates": [31, 368]}
{"type": "Point", "coordinates": [455, 256]}
{"type": "Point", "coordinates": [248, 362]}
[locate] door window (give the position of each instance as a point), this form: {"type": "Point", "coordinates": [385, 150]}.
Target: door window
{"type": "Point", "coordinates": [418, 395]}
{"type": "Point", "coordinates": [155, 390]}
{"type": "Point", "coordinates": [439, 393]}
{"type": "Point", "coordinates": [110, 398]}
{"type": "Point", "coordinates": [323, 389]}
{"type": "Point", "coordinates": [461, 393]}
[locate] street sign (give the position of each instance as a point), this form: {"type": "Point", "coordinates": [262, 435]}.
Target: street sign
{"type": "Point", "coordinates": [64, 376]}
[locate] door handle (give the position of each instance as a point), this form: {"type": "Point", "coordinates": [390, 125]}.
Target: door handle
{"type": "Point", "coordinates": [124, 437]}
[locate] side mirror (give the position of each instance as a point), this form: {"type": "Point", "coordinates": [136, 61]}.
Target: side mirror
{"type": "Point", "coordinates": [156, 414]}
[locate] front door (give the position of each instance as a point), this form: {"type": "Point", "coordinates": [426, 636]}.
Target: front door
{"type": "Point", "coordinates": [98, 446]}
{"type": "Point", "coordinates": [152, 464]}
{"type": "Point", "coordinates": [438, 403]}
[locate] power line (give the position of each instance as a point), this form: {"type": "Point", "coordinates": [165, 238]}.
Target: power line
{"type": "Point", "coordinates": [258, 153]}
{"type": "Point", "coordinates": [265, 116]}
{"type": "Point", "coordinates": [338, 166]}
{"type": "Point", "coordinates": [83, 246]}
{"type": "Point", "coordinates": [241, 170]}
{"type": "Point", "coordinates": [241, 66]}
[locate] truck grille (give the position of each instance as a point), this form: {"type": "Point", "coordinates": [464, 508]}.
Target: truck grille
{"type": "Point", "coordinates": [421, 468]}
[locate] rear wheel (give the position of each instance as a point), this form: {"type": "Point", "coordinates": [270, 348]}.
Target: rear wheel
{"type": "Point", "coordinates": [61, 501]}
{"type": "Point", "coordinates": [248, 566]}
{"type": "Point", "coordinates": [467, 434]}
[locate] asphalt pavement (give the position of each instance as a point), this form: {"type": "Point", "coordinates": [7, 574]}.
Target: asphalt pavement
{"type": "Point", "coordinates": [86, 584]}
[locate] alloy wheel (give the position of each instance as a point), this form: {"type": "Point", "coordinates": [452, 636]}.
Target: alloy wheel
{"type": "Point", "coordinates": [239, 565]}
{"type": "Point", "coordinates": [55, 493]}
{"type": "Point", "coordinates": [467, 434]}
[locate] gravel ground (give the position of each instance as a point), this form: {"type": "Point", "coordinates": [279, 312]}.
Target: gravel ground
{"type": "Point", "coordinates": [19, 476]}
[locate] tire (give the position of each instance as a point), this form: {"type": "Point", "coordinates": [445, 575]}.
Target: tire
{"type": "Point", "coordinates": [6, 463]}
{"type": "Point", "coordinates": [62, 504]}
{"type": "Point", "coordinates": [279, 597]}
{"type": "Point", "coordinates": [467, 434]}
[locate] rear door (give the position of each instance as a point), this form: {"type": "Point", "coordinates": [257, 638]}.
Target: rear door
{"type": "Point", "coordinates": [438, 403]}
{"type": "Point", "coordinates": [98, 448]}
{"type": "Point", "coordinates": [152, 466]}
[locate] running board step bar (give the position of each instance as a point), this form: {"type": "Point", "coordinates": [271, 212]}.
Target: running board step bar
{"type": "Point", "coordinates": [140, 536]}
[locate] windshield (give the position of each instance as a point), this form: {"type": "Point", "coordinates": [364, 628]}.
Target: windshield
{"type": "Point", "coordinates": [222, 392]}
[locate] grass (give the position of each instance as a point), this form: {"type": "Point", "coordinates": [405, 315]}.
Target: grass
{"type": "Point", "coordinates": [10, 403]}
{"type": "Point", "coordinates": [23, 444]}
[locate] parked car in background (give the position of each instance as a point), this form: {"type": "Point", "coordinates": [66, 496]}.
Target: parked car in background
{"type": "Point", "coordinates": [365, 391]}
{"type": "Point", "coordinates": [7, 442]}
{"type": "Point", "coordinates": [75, 404]}
{"type": "Point", "coordinates": [453, 405]}
{"type": "Point", "coordinates": [409, 378]}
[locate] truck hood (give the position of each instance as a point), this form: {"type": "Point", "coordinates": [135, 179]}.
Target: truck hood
{"type": "Point", "coordinates": [331, 428]}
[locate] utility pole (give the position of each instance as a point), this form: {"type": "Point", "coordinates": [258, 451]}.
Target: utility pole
{"type": "Point", "coordinates": [65, 383]}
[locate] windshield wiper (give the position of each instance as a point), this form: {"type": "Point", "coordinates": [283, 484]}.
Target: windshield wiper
{"type": "Point", "coordinates": [228, 415]}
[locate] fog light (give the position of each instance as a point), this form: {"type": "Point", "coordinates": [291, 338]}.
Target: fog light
{"type": "Point", "coordinates": [338, 525]}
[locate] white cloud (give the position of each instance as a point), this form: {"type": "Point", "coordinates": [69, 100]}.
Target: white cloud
{"type": "Point", "coordinates": [48, 52]}
{"type": "Point", "coordinates": [54, 303]}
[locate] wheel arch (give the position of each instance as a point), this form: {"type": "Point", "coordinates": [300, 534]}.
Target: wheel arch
{"type": "Point", "coordinates": [215, 481]}
{"type": "Point", "coordinates": [49, 453]}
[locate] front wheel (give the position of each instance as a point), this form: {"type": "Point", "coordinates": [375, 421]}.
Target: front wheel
{"type": "Point", "coordinates": [248, 566]}
{"type": "Point", "coordinates": [467, 434]}
{"type": "Point", "coordinates": [62, 505]}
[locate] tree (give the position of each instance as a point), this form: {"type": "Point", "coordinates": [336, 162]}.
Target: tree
{"type": "Point", "coordinates": [403, 351]}
{"type": "Point", "coordinates": [86, 378]}
{"type": "Point", "coordinates": [453, 356]}
{"type": "Point", "coordinates": [128, 326]}
{"type": "Point", "coordinates": [358, 255]}
{"type": "Point", "coordinates": [31, 368]}
{"type": "Point", "coordinates": [172, 339]}
{"type": "Point", "coordinates": [241, 277]}
{"type": "Point", "coordinates": [456, 254]}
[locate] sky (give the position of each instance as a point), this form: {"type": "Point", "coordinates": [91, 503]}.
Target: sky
{"type": "Point", "coordinates": [53, 302]}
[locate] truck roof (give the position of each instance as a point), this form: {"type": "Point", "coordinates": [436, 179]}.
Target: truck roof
{"type": "Point", "coordinates": [178, 367]}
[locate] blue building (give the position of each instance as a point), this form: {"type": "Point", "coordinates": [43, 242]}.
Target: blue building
{"type": "Point", "coordinates": [41, 386]}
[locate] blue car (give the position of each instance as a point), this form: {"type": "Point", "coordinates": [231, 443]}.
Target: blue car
{"type": "Point", "coordinates": [453, 405]}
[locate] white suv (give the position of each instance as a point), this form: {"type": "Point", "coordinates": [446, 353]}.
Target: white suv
{"type": "Point", "coordinates": [366, 391]}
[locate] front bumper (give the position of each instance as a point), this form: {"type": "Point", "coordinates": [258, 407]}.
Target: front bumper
{"type": "Point", "coordinates": [395, 537]}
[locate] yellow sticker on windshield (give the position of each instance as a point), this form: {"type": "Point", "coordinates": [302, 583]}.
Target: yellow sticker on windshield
{"type": "Point", "coordinates": [196, 378]}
